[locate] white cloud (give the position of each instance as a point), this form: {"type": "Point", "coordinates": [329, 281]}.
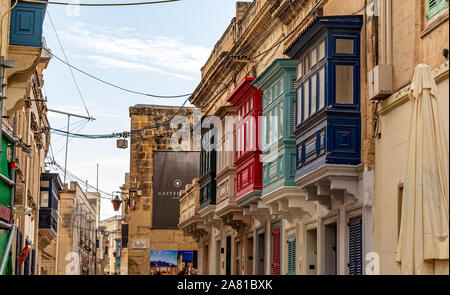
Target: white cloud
{"type": "Point", "coordinates": [121, 65]}
{"type": "Point", "coordinates": [121, 49]}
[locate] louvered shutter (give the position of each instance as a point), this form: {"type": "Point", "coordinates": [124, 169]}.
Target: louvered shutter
{"type": "Point", "coordinates": [435, 6]}
{"type": "Point", "coordinates": [291, 255]}
{"type": "Point", "coordinates": [355, 246]}
{"type": "Point", "coordinates": [276, 251]}
{"type": "Point", "coordinates": [293, 116]}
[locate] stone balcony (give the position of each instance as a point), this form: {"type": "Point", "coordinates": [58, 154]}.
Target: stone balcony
{"type": "Point", "coordinates": [191, 223]}
{"type": "Point", "coordinates": [226, 208]}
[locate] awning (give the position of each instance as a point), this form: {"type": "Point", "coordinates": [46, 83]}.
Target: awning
{"type": "Point", "coordinates": [423, 246]}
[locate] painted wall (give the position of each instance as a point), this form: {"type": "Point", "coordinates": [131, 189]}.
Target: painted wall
{"type": "Point", "coordinates": [390, 165]}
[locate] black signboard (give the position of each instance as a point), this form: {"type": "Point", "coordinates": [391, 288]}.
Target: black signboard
{"type": "Point", "coordinates": [172, 171]}
{"type": "Point", "coordinates": [124, 235]}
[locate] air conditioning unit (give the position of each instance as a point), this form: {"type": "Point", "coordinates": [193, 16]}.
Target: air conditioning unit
{"type": "Point", "coordinates": [381, 82]}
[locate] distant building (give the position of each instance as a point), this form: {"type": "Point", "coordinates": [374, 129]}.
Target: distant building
{"type": "Point", "coordinates": [77, 233]}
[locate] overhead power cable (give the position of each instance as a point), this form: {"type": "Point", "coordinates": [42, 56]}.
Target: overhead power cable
{"type": "Point", "coordinates": [101, 4]}
{"type": "Point", "coordinates": [114, 85]}
{"type": "Point", "coordinates": [67, 61]}
{"type": "Point", "coordinates": [73, 177]}
{"type": "Point", "coordinates": [128, 133]}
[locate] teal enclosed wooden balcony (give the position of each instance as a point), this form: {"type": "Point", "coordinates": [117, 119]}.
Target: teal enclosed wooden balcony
{"type": "Point", "coordinates": [26, 23]}
{"type": "Point", "coordinates": [278, 139]}
{"type": "Point", "coordinates": [280, 192]}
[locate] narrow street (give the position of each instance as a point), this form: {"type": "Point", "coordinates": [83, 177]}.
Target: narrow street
{"type": "Point", "coordinates": [270, 138]}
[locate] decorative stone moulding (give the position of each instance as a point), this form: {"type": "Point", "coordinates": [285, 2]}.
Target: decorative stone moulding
{"type": "Point", "coordinates": [332, 183]}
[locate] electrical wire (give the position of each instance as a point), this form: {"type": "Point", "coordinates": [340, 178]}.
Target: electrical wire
{"type": "Point", "coordinates": [64, 145]}
{"type": "Point", "coordinates": [126, 134]}
{"type": "Point", "coordinates": [101, 4]}
{"type": "Point", "coordinates": [73, 177]}
{"type": "Point", "coordinates": [114, 85]}
{"type": "Point", "coordinates": [67, 60]}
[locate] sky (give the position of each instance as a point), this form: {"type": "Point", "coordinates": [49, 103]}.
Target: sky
{"type": "Point", "coordinates": [156, 49]}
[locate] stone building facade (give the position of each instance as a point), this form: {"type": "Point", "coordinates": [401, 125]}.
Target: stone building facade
{"type": "Point", "coordinates": [348, 165]}
{"type": "Point", "coordinates": [77, 232]}
{"type": "Point", "coordinates": [24, 107]}
{"type": "Point", "coordinates": [142, 238]}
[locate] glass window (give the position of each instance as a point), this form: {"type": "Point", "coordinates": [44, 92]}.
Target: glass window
{"type": "Point", "coordinates": [321, 50]}
{"type": "Point", "coordinates": [274, 125]}
{"type": "Point", "coordinates": [242, 139]}
{"type": "Point", "coordinates": [251, 134]}
{"type": "Point", "coordinates": [281, 119]}
{"type": "Point", "coordinates": [45, 184]}
{"type": "Point", "coordinates": [306, 100]}
{"type": "Point", "coordinates": [299, 105]}
{"type": "Point", "coordinates": [313, 57]}
{"type": "Point", "coordinates": [344, 46]}
{"type": "Point", "coordinates": [281, 86]}
{"type": "Point", "coordinates": [344, 84]}
{"type": "Point", "coordinates": [44, 199]}
{"type": "Point", "coordinates": [307, 64]}
{"type": "Point", "coordinates": [299, 70]}
{"type": "Point", "coordinates": [321, 88]}
{"type": "Point", "coordinates": [313, 93]}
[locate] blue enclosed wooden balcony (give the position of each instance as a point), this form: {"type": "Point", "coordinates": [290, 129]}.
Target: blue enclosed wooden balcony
{"type": "Point", "coordinates": [328, 118]}
{"type": "Point", "coordinates": [48, 219]}
{"type": "Point", "coordinates": [26, 23]}
{"type": "Point", "coordinates": [48, 212]}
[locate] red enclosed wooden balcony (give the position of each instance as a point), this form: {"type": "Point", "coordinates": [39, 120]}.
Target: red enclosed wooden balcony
{"type": "Point", "coordinates": [247, 99]}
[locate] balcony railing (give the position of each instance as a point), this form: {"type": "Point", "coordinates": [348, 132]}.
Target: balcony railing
{"type": "Point", "coordinates": [189, 201]}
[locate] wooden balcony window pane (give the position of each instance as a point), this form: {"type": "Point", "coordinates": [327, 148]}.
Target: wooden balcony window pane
{"type": "Point", "coordinates": [313, 93]}
{"type": "Point", "coordinates": [299, 105]}
{"type": "Point", "coordinates": [299, 70]}
{"type": "Point", "coordinates": [344, 84]}
{"type": "Point", "coordinates": [321, 88]}
{"type": "Point", "coordinates": [281, 119]}
{"type": "Point", "coordinates": [44, 199]}
{"type": "Point", "coordinates": [313, 57]}
{"type": "Point", "coordinates": [321, 50]}
{"type": "Point", "coordinates": [306, 101]}
{"type": "Point", "coordinates": [344, 46]}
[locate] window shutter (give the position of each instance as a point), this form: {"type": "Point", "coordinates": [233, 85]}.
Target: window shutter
{"type": "Point", "coordinates": [33, 261]}
{"type": "Point", "coordinates": [276, 251]}
{"type": "Point", "coordinates": [291, 247]}
{"type": "Point", "coordinates": [293, 115]}
{"type": "Point", "coordinates": [355, 245]}
{"type": "Point", "coordinates": [435, 6]}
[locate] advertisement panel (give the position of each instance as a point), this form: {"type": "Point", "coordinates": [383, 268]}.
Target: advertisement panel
{"type": "Point", "coordinates": [173, 262]}
{"type": "Point", "coordinates": [172, 171]}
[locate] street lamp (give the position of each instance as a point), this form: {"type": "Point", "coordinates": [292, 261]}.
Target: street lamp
{"type": "Point", "coordinates": [116, 201]}
{"type": "Point", "coordinates": [118, 198]}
